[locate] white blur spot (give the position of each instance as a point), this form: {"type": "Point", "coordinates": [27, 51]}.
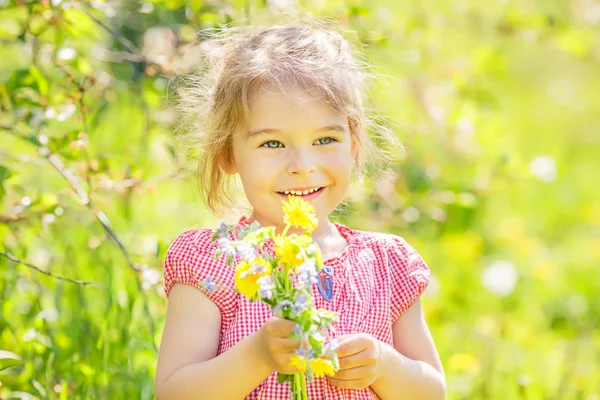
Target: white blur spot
{"type": "Point", "coordinates": [146, 8]}
{"type": "Point", "coordinates": [40, 257]}
{"type": "Point", "coordinates": [500, 278]}
{"type": "Point", "coordinates": [436, 113]}
{"type": "Point", "coordinates": [48, 219]}
{"type": "Point", "coordinates": [411, 214]}
{"type": "Point", "coordinates": [66, 112]}
{"type": "Point", "coordinates": [439, 214]}
{"type": "Point", "coordinates": [50, 113]}
{"type": "Point", "coordinates": [150, 277]}
{"type": "Point", "coordinates": [26, 201]}
{"type": "Point", "coordinates": [447, 197]}
{"type": "Point", "coordinates": [433, 171]}
{"type": "Point", "coordinates": [49, 314]}
{"type": "Point", "coordinates": [544, 168]}
{"type": "Point", "coordinates": [31, 334]}
{"type": "Point", "coordinates": [66, 53]}
{"type": "Point", "coordinates": [281, 5]}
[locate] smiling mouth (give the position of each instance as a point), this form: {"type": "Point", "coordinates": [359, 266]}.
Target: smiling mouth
{"type": "Point", "coordinates": [301, 193]}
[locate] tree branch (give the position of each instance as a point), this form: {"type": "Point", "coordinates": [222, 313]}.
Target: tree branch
{"type": "Point", "coordinates": [123, 40]}
{"type": "Point", "coordinates": [100, 216]}
{"type": "Point", "coordinates": [62, 278]}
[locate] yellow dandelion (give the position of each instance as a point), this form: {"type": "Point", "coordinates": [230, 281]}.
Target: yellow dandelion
{"type": "Point", "coordinates": [247, 274]}
{"type": "Point", "coordinates": [299, 362]}
{"type": "Point", "coordinates": [322, 367]}
{"type": "Point", "coordinates": [299, 213]}
{"type": "Point", "coordinates": [288, 249]}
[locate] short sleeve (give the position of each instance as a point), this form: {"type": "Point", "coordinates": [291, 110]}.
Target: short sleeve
{"type": "Point", "coordinates": [190, 259]}
{"type": "Point", "coordinates": [409, 275]}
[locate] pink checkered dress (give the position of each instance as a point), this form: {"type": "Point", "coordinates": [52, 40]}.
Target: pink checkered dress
{"type": "Point", "coordinates": [375, 279]}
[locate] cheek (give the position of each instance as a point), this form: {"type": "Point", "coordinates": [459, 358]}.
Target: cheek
{"type": "Point", "coordinates": [341, 165]}
{"type": "Point", "coordinates": [258, 173]}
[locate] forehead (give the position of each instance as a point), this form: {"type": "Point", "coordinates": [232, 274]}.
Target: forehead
{"type": "Point", "coordinates": [291, 109]}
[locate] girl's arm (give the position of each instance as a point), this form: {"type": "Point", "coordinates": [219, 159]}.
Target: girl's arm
{"type": "Point", "coordinates": [188, 366]}
{"type": "Point", "coordinates": [412, 368]}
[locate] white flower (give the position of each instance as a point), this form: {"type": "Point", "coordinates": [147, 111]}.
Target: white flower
{"type": "Point", "coordinates": [332, 345]}
{"type": "Point", "coordinates": [500, 278]}
{"type": "Point", "coordinates": [227, 247]}
{"type": "Point", "coordinates": [307, 272]}
{"type": "Point", "coordinates": [246, 251]}
{"type": "Point", "coordinates": [266, 286]}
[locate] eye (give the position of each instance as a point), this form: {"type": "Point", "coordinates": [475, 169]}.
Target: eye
{"type": "Point", "coordinates": [326, 140]}
{"type": "Point", "coordinates": [272, 144]}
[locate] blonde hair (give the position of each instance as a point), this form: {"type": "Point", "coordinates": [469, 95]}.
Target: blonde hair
{"type": "Point", "coordinates": [240, 62]}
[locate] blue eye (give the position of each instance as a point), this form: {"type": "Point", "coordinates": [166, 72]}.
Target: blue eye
{"type": "Point", "coordinates": [272, 144]}
{"type": "Point", "coordinates": [326, 140]}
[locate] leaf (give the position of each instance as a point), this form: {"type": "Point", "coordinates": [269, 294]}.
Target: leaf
{"type": "Point", "coordinates": [41, 81]}
{"type": "Point", "coordinates": [9, 359]}
{"type": "Point", "coordinates": [281, 378]}
{"type": "Point", "coordinates": [4, 175]}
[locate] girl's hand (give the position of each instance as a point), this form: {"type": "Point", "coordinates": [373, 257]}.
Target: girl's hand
{"type": "Point", "coordinates": [276, 344]}
{"type": "Point", "coordinates": [360, 358]}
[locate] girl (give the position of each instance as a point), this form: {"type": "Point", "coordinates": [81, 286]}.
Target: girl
{"type": "Point", "coordinates": [285, 115]}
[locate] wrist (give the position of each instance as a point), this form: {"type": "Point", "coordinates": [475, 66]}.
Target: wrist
{"type": "Point", "coordinates": [258, 353]}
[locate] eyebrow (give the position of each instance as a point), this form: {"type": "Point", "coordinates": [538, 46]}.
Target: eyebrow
{"type": "Point", "coordinates": [328, 128]}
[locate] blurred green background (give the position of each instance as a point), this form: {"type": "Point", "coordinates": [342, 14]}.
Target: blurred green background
{"type": "Point", "coordinates": [496, 103]}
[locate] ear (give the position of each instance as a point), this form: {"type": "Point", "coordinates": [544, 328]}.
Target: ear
{"type": "Point", "coordinates": [227, 163]}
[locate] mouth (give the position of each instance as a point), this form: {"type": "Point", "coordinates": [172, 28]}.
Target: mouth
{"type": "Point", "coordinates": [307, 194]}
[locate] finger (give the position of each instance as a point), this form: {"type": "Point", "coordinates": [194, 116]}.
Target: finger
{"type": "Point", "coordinates": [351, 346]}
{"type": "Point", "coordinates": [284, 364]}
{"type": "Point", "coordinates": [364, 357]}
{"type": "Point", "coordinates": [281, 327]}
{"type": "Point", "coordinates": [357, 373]}
{"type": "Point", "coordinates": [284, 345]}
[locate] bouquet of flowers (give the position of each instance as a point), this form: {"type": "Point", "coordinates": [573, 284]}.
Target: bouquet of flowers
{"type": "Point", "coordinates": [284, 282]}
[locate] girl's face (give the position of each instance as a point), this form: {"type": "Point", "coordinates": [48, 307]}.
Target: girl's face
{"type": "Point", "coordinates": [295, 142]}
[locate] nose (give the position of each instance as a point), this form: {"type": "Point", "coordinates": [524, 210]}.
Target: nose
{"type": "Point", "coordinates": [301, 163]}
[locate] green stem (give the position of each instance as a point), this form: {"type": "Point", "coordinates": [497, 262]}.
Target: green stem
{"type": "Point", "coordinates": [303, 386]}
{"type": "Point", "coordinates": [285, 269]}
{"type": "Point", "coordinates": [285, 230]}
{"type": "Point", "coordinates": [296, 390]}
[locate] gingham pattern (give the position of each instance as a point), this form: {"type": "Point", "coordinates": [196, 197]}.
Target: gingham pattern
{"type": "Point", "coordinates": [376, 278]}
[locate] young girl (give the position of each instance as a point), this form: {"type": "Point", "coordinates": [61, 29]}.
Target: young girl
{"type": "Point", "coordinates": [285, 115]}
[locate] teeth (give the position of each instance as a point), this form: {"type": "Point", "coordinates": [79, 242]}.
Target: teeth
{"type": "Point", "coordinates": [300, 192]}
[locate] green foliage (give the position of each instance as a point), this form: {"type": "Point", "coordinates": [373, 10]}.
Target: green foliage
{"type": "Point", "coordinates": [495, 102]}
